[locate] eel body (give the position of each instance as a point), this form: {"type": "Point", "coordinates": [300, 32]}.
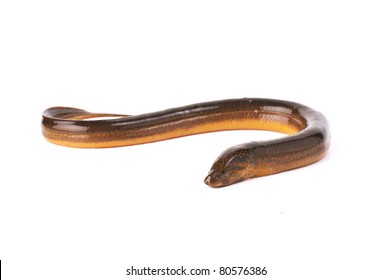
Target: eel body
{"type": "Point", "coordinates": [307, 139]}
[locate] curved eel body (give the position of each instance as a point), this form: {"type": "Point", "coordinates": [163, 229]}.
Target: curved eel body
{"type": "Point", "coordinates": [307, 141]}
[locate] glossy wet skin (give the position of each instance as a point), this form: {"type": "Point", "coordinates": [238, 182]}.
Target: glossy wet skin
{"type": "Point", "coordinates": [307, 142]}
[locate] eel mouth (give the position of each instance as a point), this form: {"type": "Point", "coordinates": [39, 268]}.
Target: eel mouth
{"type": "Point", "coordinates": [211, 182]}
{"type": "Point", "coordinates": [214, 181]}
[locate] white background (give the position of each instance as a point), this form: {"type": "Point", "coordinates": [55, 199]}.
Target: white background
{"type": "Point", "coordinates": [91, 214]}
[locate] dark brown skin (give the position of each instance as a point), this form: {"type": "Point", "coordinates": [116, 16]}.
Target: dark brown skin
{"type": "Point", "coordinates": [308, 139]}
